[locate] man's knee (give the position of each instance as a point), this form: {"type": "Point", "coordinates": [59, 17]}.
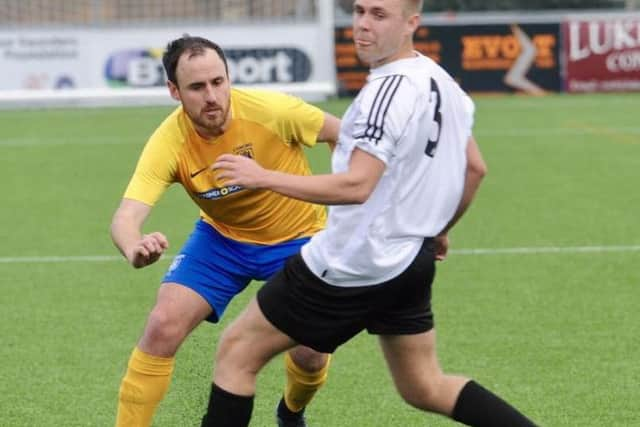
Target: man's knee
{"type": "Point", "coordinates": [308, 359]}
{"type": "Point", "coordinates": [164, 329]}
{"type": "Point", "coordinates": [423, 392]}
{"type": "Point", "coordinates": [436, 393]}
{"type": "Point", "coordinates": [421, 398]}
{"type": "Point", "coordinates": [232, 344]}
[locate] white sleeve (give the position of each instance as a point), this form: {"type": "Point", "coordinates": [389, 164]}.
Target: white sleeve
{"type": "Point", "coordinates": [469, 110]}
{"type": "Point", "coordinates": [386, 107]}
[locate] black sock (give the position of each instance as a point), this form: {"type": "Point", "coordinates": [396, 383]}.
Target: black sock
{"type": "Point", "coordinates": [227, 409]}
{"type": "Point", "coordinates": [477, 406]}
{"type": "Point", "coordinates": [286, 413]}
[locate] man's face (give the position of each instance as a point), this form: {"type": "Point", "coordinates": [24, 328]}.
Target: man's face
{"type": "Point", "coordinates": [204, 90]}
{"type": "Point", "coordinates": [381, 29]}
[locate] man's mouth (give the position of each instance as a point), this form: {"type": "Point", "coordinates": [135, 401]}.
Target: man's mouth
{"type": "Point", "coordinates": [212, 112]}
{"type": "Point", "coordinates": [363, 43]}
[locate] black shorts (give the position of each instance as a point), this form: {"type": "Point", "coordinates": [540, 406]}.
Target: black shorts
{"type": "Point", "coordinates": [322, 316]}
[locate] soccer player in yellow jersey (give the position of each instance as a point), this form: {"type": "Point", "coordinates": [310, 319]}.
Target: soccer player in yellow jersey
{"type": "Point", "coordinates": [242, 234]}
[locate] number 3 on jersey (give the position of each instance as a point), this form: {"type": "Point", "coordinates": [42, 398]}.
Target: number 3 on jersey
{"type": "Point", "coordinates": [432, 144]}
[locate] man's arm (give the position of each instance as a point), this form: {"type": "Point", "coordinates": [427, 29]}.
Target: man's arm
{"type": "Point", "coordinates": [330, 130]}
{"type": "Point", "coordinates": [476, 170]}
{"type": "Point", "coordinates": [126, 231]}
{"type": "Point", "coordinates": [351, 187]}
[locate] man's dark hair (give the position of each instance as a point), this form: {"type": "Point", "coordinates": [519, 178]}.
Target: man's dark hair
{"type": "Point", "coordinates": [195, 46]}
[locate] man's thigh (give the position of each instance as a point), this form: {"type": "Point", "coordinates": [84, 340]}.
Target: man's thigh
{"type": "Point", "coordinates": [186, 307]}
{"type": "Point", "coordinates": [417, 374]}
{"type": "Point", "coordinates": [218, 268]}
{"type": "Point", "coordinates": [178, 310]}
{"type": "Point", "coordinates": [246, 346]}
{"type": "Point", "coordinates": [411, 356]}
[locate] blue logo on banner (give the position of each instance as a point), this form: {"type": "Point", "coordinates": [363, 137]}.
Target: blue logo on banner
{"type": "Point", "coordinates": [136, 68]}
{"type": "Point", "coordinates": [143, 67]}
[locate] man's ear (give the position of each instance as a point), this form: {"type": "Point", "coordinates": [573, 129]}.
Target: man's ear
{"type": "Point", "coordinates": [414, 22]}
{"type": "Point", "coordinates": [173, 90]}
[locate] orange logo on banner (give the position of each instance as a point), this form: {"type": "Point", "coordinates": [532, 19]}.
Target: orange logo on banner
{"type": "Point", "coordinates": [498, 52]}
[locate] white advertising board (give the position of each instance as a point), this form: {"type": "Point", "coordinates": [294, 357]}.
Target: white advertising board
{"type": "Point", "coordinates": [119, 57]}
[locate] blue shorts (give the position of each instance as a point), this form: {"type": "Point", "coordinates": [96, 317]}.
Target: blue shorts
{"type": "Point", "coordinates": [218, 268]}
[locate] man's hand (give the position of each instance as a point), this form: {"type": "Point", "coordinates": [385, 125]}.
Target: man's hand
{"type": "Point", "coordinates": [147, 250]}
{"type": "Point", "coordinates": [442, 246]}
{"type": "Point", "coordinates": [239, 170]}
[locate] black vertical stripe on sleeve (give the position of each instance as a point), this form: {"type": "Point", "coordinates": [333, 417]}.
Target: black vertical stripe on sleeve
{"type": "Point", "coordinates": [375, 127]}
{"type": "Point", "coordinates": [372, 120]}
{"type": "Point", "coordinates": [375, 103]}
{"type": "Point", "coordinates": [386, 109]}
{"type": "Point", "coordinates": [380, 106]}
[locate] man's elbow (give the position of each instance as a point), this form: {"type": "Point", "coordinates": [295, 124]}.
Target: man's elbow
{"type": "Point", "coordinates": [481, 170]}
{"type": "Point", "coordinates": [114, 229]}
{"type": "Point", "coordinates": [358, 193]}
{"type": "Point", "coordinates": [477, 168]}
{"type": "Point", "coordinates": [360, 197]}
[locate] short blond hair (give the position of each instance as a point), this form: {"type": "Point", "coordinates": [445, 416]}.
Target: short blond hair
{"type": "Point", "coordinates": [413, 6]}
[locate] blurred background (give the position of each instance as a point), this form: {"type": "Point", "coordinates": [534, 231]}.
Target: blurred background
{"type": "Point", "coordinates": [305, 46]}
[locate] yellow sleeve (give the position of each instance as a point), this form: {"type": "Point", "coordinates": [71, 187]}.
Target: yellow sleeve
{"type": "Point", "coordinates": [302, 121]}
{"type": "Point", "coordinates": [157, 166]}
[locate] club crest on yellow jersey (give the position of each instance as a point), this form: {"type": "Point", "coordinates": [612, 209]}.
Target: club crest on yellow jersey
{"type": "Point", "coordinates": [244, 150]}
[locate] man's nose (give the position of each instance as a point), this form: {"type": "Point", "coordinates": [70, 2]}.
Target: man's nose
{"type": "Point", "coordinates": [209, 94]}
{"type": "Point", "coordinates": [361, 22]}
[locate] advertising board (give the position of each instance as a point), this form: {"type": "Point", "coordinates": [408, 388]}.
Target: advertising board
{"type": "Point", "coordinates": [481, 57]}
{"type": "Point", "coordinates": [126, 57]}
{"type": "Point", "coordinates": [602, 54]}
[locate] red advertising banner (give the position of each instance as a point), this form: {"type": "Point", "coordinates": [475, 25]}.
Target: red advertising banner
{"type": "Point", "coordinates": [602, 54]}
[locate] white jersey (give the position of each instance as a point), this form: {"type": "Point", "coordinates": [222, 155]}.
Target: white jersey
{"type": "Point", "coordinates": [415, 118]}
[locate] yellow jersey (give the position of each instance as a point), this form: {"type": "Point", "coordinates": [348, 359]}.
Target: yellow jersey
{"type": "Point", "coordinates": [269, 127]}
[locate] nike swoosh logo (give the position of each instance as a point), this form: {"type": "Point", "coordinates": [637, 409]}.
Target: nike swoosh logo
{"type": "Point", "coordinates": [199, 171]}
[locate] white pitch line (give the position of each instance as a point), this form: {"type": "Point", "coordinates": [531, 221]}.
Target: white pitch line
{"type": "Point", "coordinates": [51, 142]}
{"type": "Point", "coordinates": [477, 251]}
{"type": "Point", "coordinates": [48, 259]}
{"type": "Point", "coordinates": [559, 131]}
{"type": "Point", "coordinates": [546, 250]}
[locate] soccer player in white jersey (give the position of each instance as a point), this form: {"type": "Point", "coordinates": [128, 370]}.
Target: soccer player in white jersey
{"type": "Point", "coordinates": [405, 168]}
